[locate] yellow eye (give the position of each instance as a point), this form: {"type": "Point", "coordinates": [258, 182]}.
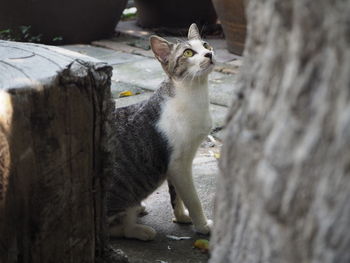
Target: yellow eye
{"type": "Point", "coordinates": [188, 53]}
{"type": "Point", "coordinates": [207, 46]}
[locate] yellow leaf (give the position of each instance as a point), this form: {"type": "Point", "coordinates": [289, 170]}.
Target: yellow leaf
{"type": "Point", "coordinates": [217, 155]}
{"type": "Point", "coordinates": [125, 93]}
{"type": "Point", "coordinates": [202, 244]}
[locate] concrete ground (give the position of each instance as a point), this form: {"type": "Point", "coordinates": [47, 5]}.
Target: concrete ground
{"type": "Point", "coordinates": [136, 70]}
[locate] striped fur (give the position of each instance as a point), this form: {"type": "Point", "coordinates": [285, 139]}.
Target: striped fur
{"type": "Point", "coordinates": [143, 153]}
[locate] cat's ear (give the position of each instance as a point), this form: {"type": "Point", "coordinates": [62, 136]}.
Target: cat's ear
{"type": "Point", "coordinates": [161, 48]}
{"type": "Point", "coordinates": [193, 32]}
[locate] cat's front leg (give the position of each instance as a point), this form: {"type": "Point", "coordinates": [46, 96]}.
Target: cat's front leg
{"type": "Point", "coordinates": [181, 177]}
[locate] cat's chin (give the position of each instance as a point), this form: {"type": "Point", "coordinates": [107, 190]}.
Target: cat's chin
{"type": "Point", "coordinates": [207, 70]}
{"type": "Point", "coordinates": [201, 74]}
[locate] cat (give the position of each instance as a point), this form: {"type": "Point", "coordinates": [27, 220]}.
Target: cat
{"type": "Point", "coordinates": [157, 139]}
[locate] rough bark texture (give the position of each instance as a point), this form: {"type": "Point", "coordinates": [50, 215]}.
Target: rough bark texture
{"type": "Point", "coordinates": [284, 188]}
{"type": "Point", "coordinates": [54, 155]}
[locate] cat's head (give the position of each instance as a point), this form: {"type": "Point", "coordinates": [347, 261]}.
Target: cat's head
{"type": "Point", "coordinates": [184, 60]}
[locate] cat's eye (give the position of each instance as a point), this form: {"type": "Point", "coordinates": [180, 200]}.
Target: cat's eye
{"type": "Point", "coordinates": [188, 53]}
{"type": "Point", "coordinates": [207, 46]}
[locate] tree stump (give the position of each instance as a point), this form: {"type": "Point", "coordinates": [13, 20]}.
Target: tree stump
{"type": "Point", "coordinates": [55, 110]}
{"type": "Point", "coordinates": [284, 189]}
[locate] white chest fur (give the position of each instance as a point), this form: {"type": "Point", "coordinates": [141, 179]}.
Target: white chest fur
{"type": "Point", "coordinates": [185, 119]}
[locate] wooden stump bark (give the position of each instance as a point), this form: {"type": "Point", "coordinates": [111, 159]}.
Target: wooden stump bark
{"type": "Point", "coordinates": [55, 130]}
{"type": "Point", "coordinates": [284, 188]}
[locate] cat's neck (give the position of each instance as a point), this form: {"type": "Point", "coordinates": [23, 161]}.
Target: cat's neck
{"type": "Point", "coordinates": [192, 92]}
{"type": "Point", "coordinates": [190, 84]}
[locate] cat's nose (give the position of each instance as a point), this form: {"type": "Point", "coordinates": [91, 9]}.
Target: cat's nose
{"type": "Point", "coordinates": [208, 55]}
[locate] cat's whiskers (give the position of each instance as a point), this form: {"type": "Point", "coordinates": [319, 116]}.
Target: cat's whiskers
{"type": "Point", "coordinates": [185, 76]}
{"type": "Point", "coordinates": [190, 77]}
{"type": "Point", "coordinates": [193, 76]}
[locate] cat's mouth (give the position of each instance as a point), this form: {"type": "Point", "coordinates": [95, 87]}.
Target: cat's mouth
{"type": "Point", "coordinates": [207, 66]}
{"type": "Point", "coordinates": [207, 63]}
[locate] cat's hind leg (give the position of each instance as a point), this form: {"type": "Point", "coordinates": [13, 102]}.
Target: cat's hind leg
{"type": "Point", "coordinates": [179, 209]}
{"type": "Point", "coordinates": [141, 209]}
{"type": "Point", "coordinates": [115, 222]}
{"type": "Point", "coordinates": [133, 230]}
{"type": "Point", "coordinates": [116, 230]}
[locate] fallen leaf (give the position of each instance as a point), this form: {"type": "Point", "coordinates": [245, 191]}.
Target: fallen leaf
{"type": "Point", "coordinates": [126, 93]}
{"type": "Point", "coordinates": [202, 244]}
{"type": "Point", "coordinates": [217, 155]}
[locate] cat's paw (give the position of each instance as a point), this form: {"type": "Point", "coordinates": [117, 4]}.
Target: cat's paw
{"type": "Point", "coordinates": [141, 210]}
{"type": "Point", "coordinates": [204, 229]}
{"type": "Point", "coordinates": [140, 232]}
{"type": "Point", "coordinates": [182, 218]}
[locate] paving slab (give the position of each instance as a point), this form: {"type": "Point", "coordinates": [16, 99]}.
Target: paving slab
{"type": "Point", "coordinates": [109, 56]}
{"type": "Point", "coordinates": [118, 87]}
{"type": "Point", "coordinates": [222, 88]}
{"type": "Point", "coordinates": [237, 63]}
{"type": "Point", "coordinates": [218, 114]}
{"type": "Point", "coordinates": [148, 74]}
{"type": "Point", "coordinates": [223, 56]}
{"type": "Point", "coordinates": [160, 218]}
{"type": "Point", "coordinates": [124, 46]}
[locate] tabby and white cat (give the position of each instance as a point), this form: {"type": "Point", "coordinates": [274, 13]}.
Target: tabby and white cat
{"type": "Point", "coordinates": [157, 139]}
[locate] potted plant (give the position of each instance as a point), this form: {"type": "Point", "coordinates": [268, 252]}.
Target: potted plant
{"type": "Point", "coordinates": [78, 21]}
{"type": "Point", "coordinates": [231, 14]}
{"type": "Point", "coordinates": [175, 14]}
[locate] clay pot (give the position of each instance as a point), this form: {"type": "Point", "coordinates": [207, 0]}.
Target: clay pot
{"type": "Point", "coordinates": [175, 14]}
{"type": "Point", "coordinates": [232, 17]}
{"type": "Point", "coordinates": [78, 21]}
